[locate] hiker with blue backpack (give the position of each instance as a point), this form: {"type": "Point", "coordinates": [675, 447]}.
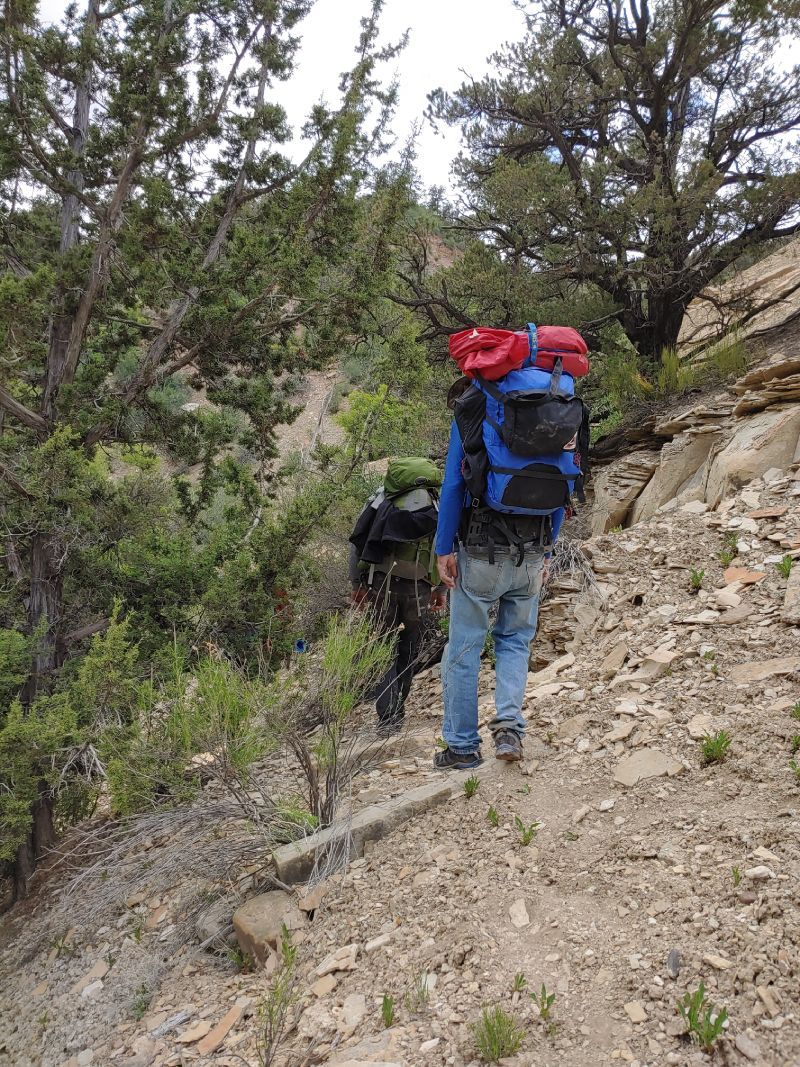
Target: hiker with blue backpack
{"type": "Point", "coordinates": [393, 571]}
{"type": "Point", "coordinates": [518, 450]}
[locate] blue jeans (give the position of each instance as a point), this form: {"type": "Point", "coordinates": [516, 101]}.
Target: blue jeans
{"type": "Point", "coordinates": [481, 584]}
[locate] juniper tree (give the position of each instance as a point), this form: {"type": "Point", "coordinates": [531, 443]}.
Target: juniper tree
{"type": "Point", "coordinates": [159, 237]}
{"type": "Point", "coordinates": [636, 148]}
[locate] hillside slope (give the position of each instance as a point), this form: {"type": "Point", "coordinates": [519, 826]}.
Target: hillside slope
{"type": "Point", "coordinates": [699, 860]}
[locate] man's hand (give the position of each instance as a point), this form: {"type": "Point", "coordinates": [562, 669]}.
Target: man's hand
{"type": "Point", "coordinates": [438, 600]}
{"type": "Point", "coordinates": [448, 569]}
{"type": "Point", "coordinates": [358, 597]}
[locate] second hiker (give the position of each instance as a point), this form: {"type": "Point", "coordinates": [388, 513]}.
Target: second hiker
{"type": "Point", "coordinates": [393, 569]}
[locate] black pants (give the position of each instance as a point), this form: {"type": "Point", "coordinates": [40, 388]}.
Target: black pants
{"type": "Point", "coordinates": [398, 613]}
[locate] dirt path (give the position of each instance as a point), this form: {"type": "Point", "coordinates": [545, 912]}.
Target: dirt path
{"type": "Point", "coordinates": [314, 424]}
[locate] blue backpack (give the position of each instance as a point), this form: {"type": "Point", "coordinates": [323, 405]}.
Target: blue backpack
{"type": "Point", "coordinates": [526, 439]}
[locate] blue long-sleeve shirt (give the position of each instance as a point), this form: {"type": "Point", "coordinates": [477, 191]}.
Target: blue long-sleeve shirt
{"type": "Point", "coordinates": [455, 496]}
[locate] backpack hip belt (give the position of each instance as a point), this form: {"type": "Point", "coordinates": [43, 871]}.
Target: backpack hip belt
{"type": "Point", "coordinates": [480, 538]}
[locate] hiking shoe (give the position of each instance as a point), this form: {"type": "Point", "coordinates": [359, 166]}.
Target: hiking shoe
{"type": "Point", "coordinates": [508, 746]}
{"type": "Point", "coordinates": [447, 760]}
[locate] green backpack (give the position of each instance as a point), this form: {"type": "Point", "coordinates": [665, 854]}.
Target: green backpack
{"type": "Point", "coordinates": [394, 534]}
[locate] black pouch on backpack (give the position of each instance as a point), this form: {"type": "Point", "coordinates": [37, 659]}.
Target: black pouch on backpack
{"type": "Point", "coordinates": [536, 423]}
{"type": "Point", "coordinates": [539, 425]}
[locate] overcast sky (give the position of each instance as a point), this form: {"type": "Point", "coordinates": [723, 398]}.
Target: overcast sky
{"type": "Point", "coordinates": [447, 37]}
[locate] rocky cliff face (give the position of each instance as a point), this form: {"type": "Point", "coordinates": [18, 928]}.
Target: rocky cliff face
{"type": "Point", "coordinates": [734, 435]}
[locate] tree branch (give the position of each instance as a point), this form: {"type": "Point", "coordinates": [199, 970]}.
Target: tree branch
{"type": "Point", "coordinates": [22, 414]}
{"type": "Point", "coordinates": [14, 482]}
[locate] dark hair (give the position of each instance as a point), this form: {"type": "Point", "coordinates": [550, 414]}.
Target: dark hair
{"type": "Point", "coordinates": [457, 390]}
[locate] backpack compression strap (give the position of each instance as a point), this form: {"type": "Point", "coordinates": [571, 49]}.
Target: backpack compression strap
{"type": "Point", "coordinates": [550, 476]}
{"type": "Point", "coordinates": [531, 398]}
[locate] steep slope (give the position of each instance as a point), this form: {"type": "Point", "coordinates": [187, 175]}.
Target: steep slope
{"type": "Point", "coordinates": [622, 873]}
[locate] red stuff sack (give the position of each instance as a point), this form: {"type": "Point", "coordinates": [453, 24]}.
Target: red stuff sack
{"type": "Point", "coordinates": [489, 353]}
{"type": "Point", "coordinates": [564, 343]}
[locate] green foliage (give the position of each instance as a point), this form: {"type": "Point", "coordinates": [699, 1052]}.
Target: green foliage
{"type": "Point", "coordinates": [794, 743]}
{"type": "Point", "coordinates": [213, 709]}
{"type": "Point", "coordinates": [471, 786]}
{"type": "Point", "coordinates": [106, 687]}
{"type": "Point", "coordinates": [795, 769]}
{"type": "Point", "coordinates": [493, 817]}
{"type": "Point", "coordinates": [241, 960]}
{"type": "Point", "coordinates": [544, 1002]}
{"type": "Point", "coordinates": [704, 1020]}
{"type": "Point", "coordinates": [387, 1011]}
{"type": "Point", "coordinates": [278, 1001]}
{"type": "Point", "coordinates": [354, 658]}
{"type": "Point", "coordinates": [141, 1001]}
{"type": "Point", "coordinates": [795, 712]}
{"type": "Point", "coordinates": [32, 743]}
{"type": "Point", "coordinates": [294, 813]}
{"type": "Point", "coordinates": [488, 650]}
{"type": "Point", "coordinates": [674, 375]}
{"type": "Point", "coordinates": [146, 262]}
{"type": "Point", "coordinates": [714, 747]}
{"type": "Point", "coordinates": [731, 548]}
{"type": "Point", "coordinates": [497, 1035]}
{"type": "Point", "coordinates": [784, 568]}
{"type": "Point", "coordinates": [696, 576]}
{"type": "Point", "coordinates": [728, 358]}
{"type": "Point", "coordinates": [624, 381]}
{"type": "Point", "coordinates": [737, 876]}
{"type": "Point", "coordinates": [15, 660]}
{"type": "Point", "coordinates": [592, 140]}
{"type": "Point", "coordinates": [606, 425]}
{"type": "Point", "coordinates": [393, 426]}
{"type": "Point", "coordinates": [519, 983]}
{"type": "Point", "coordinates": [526, 833]}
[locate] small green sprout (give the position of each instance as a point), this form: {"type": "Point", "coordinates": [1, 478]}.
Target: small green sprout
{"type": "Point", "coordinates": [544, 1002]}
{"type": "Point", "coordinates": [715, 747]}
{"type": "Point", "coordinates": [704, 1020]}
{"type": "Point", "coordinates": [471, 786]}
{"type": "Point", "coordinates": [526, 833]}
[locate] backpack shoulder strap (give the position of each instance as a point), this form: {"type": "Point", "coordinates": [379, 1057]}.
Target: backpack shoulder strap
{"type": "Point", "coordinates": [491, 389]}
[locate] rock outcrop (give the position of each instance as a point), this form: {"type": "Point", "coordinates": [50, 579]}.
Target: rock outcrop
{"type": "Point", "coordinates": [707, 452]}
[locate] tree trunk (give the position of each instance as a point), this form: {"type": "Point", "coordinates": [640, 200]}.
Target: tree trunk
{"type": "Point", "coordinates": [62, 319]}
{"type": "Point", "coordinates": [48, 552]}
{"type": "Point", "coordinates": [44, 617]}
{"type": "Point", "coordinates": [41, 837]}
{"type": "Point", "coordinates": [652, 322]}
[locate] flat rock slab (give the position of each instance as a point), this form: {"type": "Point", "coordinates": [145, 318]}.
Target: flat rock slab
{"type": "Point", "coordinates": [212, 1041]}
{"type": "Point", "coordinates": [736, 615]}
{"type": "Point", "coordinates": [744, 576]}
{"type": "Point", "coordinates": [760, 670]}
{"type": "Point", "coordinates": [295, 862]}
{"type": "Point", "coordinates": [646, 763]}
{"type": "Point", "coordinates": [699, 726]}
{"type": "Point", "coordinates": [518, 913]}
{"type": "Point", "coordinates": [767, 513]}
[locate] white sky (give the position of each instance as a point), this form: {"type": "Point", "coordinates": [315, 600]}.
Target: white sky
{"type": "Point", "coordinates": [447, 37]}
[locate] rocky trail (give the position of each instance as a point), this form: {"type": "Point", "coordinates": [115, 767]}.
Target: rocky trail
{"type": "Point", "coordinates": [647, 873]}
